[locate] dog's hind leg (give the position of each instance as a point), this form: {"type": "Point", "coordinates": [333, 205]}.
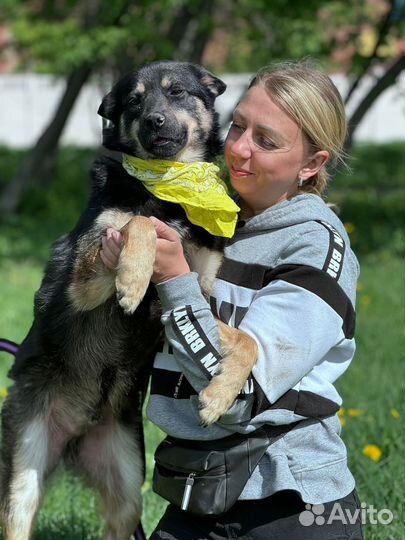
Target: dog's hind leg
{"type": "Point", "coordinates": [31, 450]}
{"type": "Point", "coordinates": [24, 490]}
{"type": "Point", "coordinates": [112, 460]}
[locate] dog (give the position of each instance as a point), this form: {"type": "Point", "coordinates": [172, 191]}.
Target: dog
{"type": "Point", "coordinates": [82, 371]}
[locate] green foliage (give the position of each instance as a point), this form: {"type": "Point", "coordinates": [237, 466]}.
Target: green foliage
{"type": "Point", "coordinates": [371, 197]}
{"type": "Point", "coordinates": [46, 213]}
{"type": "Point", "coordinates": [58, 37]}
{"type": "Point", "coordinates": [55, 37]}
{"type": "Point", "coordinates": [63, 45]}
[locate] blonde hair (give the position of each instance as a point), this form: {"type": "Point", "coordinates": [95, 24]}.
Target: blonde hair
{"type": "Point", "coordinates": [311, 99]}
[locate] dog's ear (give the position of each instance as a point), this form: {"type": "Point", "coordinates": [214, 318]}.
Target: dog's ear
{"type": "Point", "coordinates": [109, 108]}
{"type": "Point", "coordinates": [214, 85]}
{"type": "Point", "coordinates": [110, 112]}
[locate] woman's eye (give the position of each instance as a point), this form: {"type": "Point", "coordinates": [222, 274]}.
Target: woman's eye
{"type": "Point", "coordinates": [266, 143]}
{"type": "Point", "coordinates": [236, 126]}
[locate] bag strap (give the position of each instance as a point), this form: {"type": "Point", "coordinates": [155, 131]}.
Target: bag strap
{"type": "Point", "coordinates": [275, 432]}
{"type": "Point", "coordinates": [267, 431]}
{"type": "Point", "coordinates": [260, 440]}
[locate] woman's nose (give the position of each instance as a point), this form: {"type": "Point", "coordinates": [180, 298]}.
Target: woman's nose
{"type": "Point", "coordinates": [240, 146]}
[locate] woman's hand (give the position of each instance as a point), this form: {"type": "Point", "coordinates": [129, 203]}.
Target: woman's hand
{"type": "Point", "coordinates": [169, 262]}
{"type": "Point", "coordinates": [111, 248]}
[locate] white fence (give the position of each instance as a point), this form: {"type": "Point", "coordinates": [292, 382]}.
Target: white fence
{"type": "Point", "coordinates": [28, 102]}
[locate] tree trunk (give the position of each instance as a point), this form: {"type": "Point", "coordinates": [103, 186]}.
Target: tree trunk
{"type": "Point", "coordinates": [384, 82]}
{"type": "Point", "coordinates": [40, 160]}
{"type": "Point", "coordinates": [382, 31]}
{"type": "Point", "coordinates": [38, 164]}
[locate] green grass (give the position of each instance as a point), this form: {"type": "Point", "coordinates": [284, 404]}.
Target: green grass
{"type": "Point", "coordinates": [374, 384]}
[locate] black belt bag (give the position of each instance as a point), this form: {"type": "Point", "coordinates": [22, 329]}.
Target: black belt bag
{"type": "Point", "coordinates": [207, 477]}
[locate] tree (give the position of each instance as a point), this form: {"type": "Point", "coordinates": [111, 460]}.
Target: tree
{"type": "Point", "coordinates": [361, 39]}
{"type": "Point", "coordinates": [183, 34]}
{"type": "Point", "coordinates": [90, 37]}
{"type": "Point", "coordinates": [39, 162]}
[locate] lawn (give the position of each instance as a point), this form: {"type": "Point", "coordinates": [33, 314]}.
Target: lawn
{"type": "Point", "coordinates": [373, 388]}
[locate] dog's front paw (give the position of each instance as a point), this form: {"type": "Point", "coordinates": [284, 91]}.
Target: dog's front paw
{"type": "Point", "coordinates": [213, 404]}
{"type": "Point", "coordinates": [130, 293]}
{"type": "Point", "coordinates": [135, 266]}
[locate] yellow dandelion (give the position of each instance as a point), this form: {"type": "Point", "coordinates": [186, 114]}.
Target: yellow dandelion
{"type": "Point", "coordinates": [365, 300]}
{"type": "Point", "coordinates": [395, 413]}
{"type": "Point", "coordinates": [3, 393]}
{"type": "Point", "coordinates": [350, 228]}
{"type": "Point", "coordinates": [341, 412]}
{"type": "Point", "coordinates": [373, 452]}
{"type": "Point", "coordinates": [355, 412]}
{"type": "Point", "coordinates": [342, 421]}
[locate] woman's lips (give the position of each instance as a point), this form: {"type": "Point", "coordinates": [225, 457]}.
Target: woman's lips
{"type": "Point", "coordinates": [239, 172]}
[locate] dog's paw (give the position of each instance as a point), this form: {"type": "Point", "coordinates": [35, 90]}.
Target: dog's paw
{"type": "Point", "coordinates": [213, 405]}
{"type": "Point", "coordinates": [128, 304]}
{"type": "Point", "coordinates": [130, 295]}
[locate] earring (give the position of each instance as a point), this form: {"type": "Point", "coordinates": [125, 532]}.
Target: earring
{"type": "Point", "coordinates": [300, 181]}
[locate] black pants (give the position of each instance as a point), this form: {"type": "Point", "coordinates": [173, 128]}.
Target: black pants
{"type": "Point", "coordinates": [283, 516]}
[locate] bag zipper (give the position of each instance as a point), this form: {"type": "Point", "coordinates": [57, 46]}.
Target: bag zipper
{"type": "Point", "coordinates": [187, 491]}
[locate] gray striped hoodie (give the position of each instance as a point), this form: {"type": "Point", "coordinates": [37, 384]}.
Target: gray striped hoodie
{"type": "Point", "coordinates": [289, 281]}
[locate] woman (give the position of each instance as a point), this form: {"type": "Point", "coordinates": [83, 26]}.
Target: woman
{"type": "Point", "coordinates": [289, 281]}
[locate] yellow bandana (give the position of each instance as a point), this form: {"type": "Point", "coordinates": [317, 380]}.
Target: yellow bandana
{"type": "Point", "coordinates": [196, 186]}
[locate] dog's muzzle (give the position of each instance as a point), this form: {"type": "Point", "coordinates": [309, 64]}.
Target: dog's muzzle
{"type": "Point", "coordinates": [160, 137]}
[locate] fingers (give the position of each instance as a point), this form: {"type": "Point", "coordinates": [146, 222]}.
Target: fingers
{"type": "Point", "coordinates": [114, 239]}
{"type": "Point", "coordinates": [107, 256]}
{"type": "Point", "coordinates": [164, 231]}
{"type": "Point", "coordinates": [107, 261]}
{"type": "Point", "coordinates": [111, 246]}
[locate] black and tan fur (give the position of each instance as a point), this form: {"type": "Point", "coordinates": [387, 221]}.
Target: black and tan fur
{"type": "Point", "coordinates": [81, 372]}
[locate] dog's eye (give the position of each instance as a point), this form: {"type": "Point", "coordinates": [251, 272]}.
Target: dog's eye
{"type": "Point", "coordinates": [134, 100]}
{"type": "Point", "coordinates": [176, 91]}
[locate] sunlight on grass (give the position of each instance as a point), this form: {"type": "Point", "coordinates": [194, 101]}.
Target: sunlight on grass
{"type": "Point", "coordinates": [372, 392]}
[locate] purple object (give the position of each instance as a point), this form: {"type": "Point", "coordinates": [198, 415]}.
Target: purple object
{"type": "Point", "coordinates": [139, 533]}
{"type": "Point", "coordinates": [8, 346]}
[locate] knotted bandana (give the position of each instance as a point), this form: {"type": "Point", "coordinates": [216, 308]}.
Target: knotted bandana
{"type": "Point", "coordinates": [195, 186]}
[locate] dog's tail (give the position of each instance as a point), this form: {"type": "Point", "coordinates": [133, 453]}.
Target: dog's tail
{"type": "Point", "coordinates": [8, 346]}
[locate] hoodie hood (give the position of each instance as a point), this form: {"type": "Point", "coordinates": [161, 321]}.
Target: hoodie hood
{"type": "Point", "coordinates": [299, 209]}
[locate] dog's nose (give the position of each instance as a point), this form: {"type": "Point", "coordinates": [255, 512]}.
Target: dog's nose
{"type": "Point", "coordinates": [156, 120]}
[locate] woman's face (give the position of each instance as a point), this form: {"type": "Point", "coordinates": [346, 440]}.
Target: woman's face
{"type": "Point", "coordinates": [265, 151]}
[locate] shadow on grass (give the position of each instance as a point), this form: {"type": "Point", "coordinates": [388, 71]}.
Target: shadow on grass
{"type": "Point", "coordinates": [66, 532]}
{"type": "Point", "coordinates": [27, 240]}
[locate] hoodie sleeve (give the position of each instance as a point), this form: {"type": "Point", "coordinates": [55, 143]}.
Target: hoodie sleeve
{"type": "Point", "coordinates": [191, 328]}
{"type": "Point", "coordinates": [297, 317]}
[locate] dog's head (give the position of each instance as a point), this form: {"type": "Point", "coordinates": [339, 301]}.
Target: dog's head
{"type": "Point", "coordinates": [164, 110]}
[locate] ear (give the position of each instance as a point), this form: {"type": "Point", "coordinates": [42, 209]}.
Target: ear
{"type": "Point", "coordinates": [110, 113]}
{"type": "Point", "coordinates": [109, 109]}
{"type": "Point", "coordinates": [314, 164]}
{"type": "Point", "coordinates": [214, 85]}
